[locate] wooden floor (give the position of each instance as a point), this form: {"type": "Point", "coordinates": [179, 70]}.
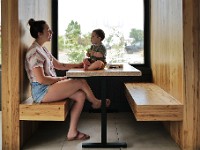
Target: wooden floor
{"type": "Point", "coordinates": [121, 127]}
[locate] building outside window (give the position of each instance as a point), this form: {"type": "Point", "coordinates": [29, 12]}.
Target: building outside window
{"type": "Point", "coordinates": [122, 22]}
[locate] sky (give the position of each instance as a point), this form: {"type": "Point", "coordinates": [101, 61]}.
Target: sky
{"type": "Point", "coordinates": [91, 14]}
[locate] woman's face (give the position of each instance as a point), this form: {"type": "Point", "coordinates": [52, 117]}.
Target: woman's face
{"type": "Point", "coordinates": [95, 39]}
{"type": "Point", "coordinates": [47, 33]}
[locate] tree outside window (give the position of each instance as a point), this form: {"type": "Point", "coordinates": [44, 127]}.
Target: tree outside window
{"type": "Point", "coordinates": [123, 41]}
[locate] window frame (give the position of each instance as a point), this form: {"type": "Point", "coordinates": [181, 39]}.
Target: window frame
{"type": "Point", "coordinates": [146, 33]}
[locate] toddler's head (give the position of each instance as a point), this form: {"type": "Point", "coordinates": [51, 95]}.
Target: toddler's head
{"type": "Point", "coordinates": [100, 33]}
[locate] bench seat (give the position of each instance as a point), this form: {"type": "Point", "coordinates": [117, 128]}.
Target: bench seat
{"type": "Point", "coordinates": [151, 103]}
{"type": "Point", "coordinates": [53, 111]}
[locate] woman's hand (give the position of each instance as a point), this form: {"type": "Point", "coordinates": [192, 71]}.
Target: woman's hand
{"type": "Point", "coordinates": [62, 78]}
{"type": "Point", "coordinates": [80, 65]}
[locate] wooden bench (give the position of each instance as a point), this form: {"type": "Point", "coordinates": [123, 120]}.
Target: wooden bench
{"type": "Point", "coordinates": [53, 111]}
{"type": "Point", "coordinates": [151, 103]}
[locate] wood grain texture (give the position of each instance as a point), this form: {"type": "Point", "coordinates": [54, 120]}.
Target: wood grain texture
{"type": "Point", "coordinates": [174, 59]}
{"type": "Point", "coordinates": [54, 111]}
{"type": "Point", "coordinates": [175, 62]}
{"type": "Point", "coordinates": [10, 75]}
{"type": "Point", "coordinates": [151, 103]}
{"type": "Point", "coordinates": [39, 10]}
{"type": "Point", "coordinates": [167, 54]}
{"type": "Point", "coordinates": [192, 73]}
{"type": "Point", "coordinates": [126, 70]}
{"type": "Point", "coordinates": [15, 40]}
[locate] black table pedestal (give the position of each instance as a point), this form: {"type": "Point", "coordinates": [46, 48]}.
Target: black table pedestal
{"type": "Point", "coordinates": [104, 143]}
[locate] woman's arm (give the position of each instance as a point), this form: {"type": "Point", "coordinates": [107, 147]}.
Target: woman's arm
{"type": "Point", "coordinates": [47, 80]}
{"type": "Point", "coordinates": [65, 66]}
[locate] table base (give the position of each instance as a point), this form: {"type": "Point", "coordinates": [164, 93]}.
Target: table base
{"type": "Point", "coordinates": [102, 145]}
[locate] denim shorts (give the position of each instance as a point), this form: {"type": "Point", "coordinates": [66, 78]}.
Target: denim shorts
{"type": "Point", "coordinates": [38, 91]}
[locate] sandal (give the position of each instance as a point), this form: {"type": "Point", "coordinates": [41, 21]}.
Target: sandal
{"type": "Point", "coordinates": [79, 137]}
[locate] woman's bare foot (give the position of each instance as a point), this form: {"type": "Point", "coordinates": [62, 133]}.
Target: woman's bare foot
{"type": "Point", "coordinates": [98, 104]}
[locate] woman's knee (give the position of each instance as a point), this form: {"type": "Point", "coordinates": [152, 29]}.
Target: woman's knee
{"type": "Point", "coordinates": [80, 95]}
{"type": "Point", "coordinates": [83, 81]}
{"type": "Point", "coordinates": [78, 82]}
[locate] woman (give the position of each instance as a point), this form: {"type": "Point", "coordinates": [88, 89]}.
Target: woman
{"type": "Point", "coordinates": [47, 87]}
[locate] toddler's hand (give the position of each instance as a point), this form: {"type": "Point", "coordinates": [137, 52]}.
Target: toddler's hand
{"type": "Point", "coordinates": [86, 62]}
{"type": "Point", "coordinates": [88, 54]}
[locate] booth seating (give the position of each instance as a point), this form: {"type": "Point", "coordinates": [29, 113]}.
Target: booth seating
{"type": "Point", "coordinates": [149, 102]}
{"type": "Point", "coordinates": [52, 111]}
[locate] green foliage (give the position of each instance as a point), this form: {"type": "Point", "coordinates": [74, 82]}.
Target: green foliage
{"type": "Point", "coordinates": [76, 53]}
{"type": "Point", "coordinates": [85, 40]}
{"type": "Point", "coordinates": [61, 43]}
{"type": "Point", "coordinates": [72, 34]}
{"type": "Point", "coordinates": [72, 44]}
{"type": "Point", "coordinates": [137, 35]}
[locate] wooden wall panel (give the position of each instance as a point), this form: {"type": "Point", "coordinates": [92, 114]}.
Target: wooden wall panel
{"type": "Point", "coordinates": [29, 9]}
{"type": "Point", "coordinates": [191, 40]}
{"type": "Point", "coordinates": [10, 75]}
{"type": "Point", "coordinates": [197, 78]}
{"type": "Point", "coordinates": [175, 62]}
{"type": "Point", "coordinates": [167, 45]}
{"type": "Point", "coordinates": [167, 53]}
{"type": "Point", "coordinates": [15, 41]}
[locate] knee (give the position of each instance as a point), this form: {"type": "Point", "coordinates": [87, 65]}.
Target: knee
{"type": "Point", "coordinates": [81, 96]}
{"type": "Point", "coordinates": [83, 81]}
{"type": "Point", "coordinates": [80, 82]}
{"type": "Point", "coordinates": [100, 64]}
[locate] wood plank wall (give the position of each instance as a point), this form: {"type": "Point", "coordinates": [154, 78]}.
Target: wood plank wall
{"type": "Point", "coordinates": [29, 9]}
{"type": "Point", "coordinates": [167, 52]}
{"type": "Point", "coordinates": [175, 63]}
{"type": "Point", "coordinates": [191, 40]}
{"type": "Point", "coordinates": [15, 41]}
{"type": "Point", "coordinates": [174, 51]}
{"type": "Point", "coordinates": [10, 75]}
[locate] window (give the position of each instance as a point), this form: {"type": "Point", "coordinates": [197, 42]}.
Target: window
{"type": "Point", "coordinates": [122, 21]}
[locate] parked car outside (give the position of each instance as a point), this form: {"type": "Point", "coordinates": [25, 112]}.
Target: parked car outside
{"type": "Point", "coordinates": [130, 49]}
{"type": "Point", "coordinates": [108, 47]}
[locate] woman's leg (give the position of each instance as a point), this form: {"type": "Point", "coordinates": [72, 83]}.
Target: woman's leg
{"type": "Point", "coordinates": [66, 88]}
{"type": "Point", "coordinates": [79, 99]}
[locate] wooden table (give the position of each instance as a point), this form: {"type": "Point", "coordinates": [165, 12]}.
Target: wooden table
{"type": "Point", "coordinates": [117, 71]}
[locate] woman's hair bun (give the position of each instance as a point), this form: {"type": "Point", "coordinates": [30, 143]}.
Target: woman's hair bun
{"type": "Point", "coordinates": [31, 21]}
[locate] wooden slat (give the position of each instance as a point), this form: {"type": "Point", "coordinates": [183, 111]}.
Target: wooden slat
{"type": "Point", "coordinates": [54, 111]}
{"type": "Point", "coordinates": [151, 103]}
{"type": "Point", "coordinates": [10, 74]}
{"type": "Point", "coordinates": [171, 23]}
